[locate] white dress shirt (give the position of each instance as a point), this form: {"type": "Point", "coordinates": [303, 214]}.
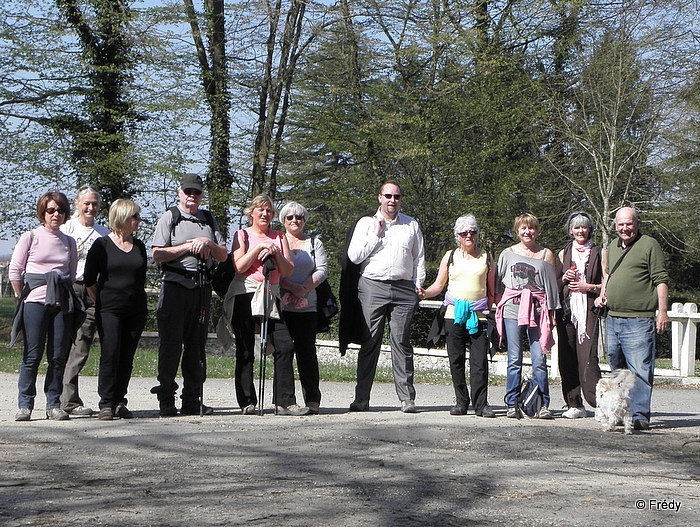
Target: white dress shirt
{"type": "Point", "coordinates": [396, 254]}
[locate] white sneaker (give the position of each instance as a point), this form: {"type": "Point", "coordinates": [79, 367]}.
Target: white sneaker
{"type": "Point", "coordinates": [544, 413]}
{"type": "Point", "coordinates": [292, 409]}
{"type": "Point", "coordinates": [575, 412]}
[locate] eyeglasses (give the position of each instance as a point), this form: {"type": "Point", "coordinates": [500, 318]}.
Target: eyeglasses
{"type": "Point", "coordinates": [468, 233]}
{"type": "Point", "coordinates": [192, 191]}
{"type": "Point", "coordinates": [290, 217]}
{"type": "Point", "coordinates": [52, 210]}
{"type": "Point", "coordinates": [397, 197]}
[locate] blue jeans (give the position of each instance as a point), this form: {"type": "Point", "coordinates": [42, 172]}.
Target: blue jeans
{"type": "Point", "coordinates": [44, 326]}
{"type": "Point", "coordinates": [514, 337]}
{"type": "Point", "coordinates": [631, 343]}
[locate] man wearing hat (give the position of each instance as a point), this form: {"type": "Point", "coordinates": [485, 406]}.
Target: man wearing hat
{"type": "Point", "coordinates": [184, 235]}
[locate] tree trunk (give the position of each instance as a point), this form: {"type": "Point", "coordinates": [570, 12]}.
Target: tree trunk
{"type": "Point", "coordinates": [215, 79]}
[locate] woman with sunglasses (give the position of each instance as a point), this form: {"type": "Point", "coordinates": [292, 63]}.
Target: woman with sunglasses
{"type": "Point", "coordinates": [252, 248]}
{"type": "Point", "coordinates": [528, 304]}
{"type": "Point", "coordinates": [299, 298]}
{"type": "Point", "coordinates": [469, 273]}
{"type": "Point", "coordinates": [580, 267]}
{"type": "Point", "coordinates": [115, 277]}
{"type": "Point", "coordinates": [42, 272]}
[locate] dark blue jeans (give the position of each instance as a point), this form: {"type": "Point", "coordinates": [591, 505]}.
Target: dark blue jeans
{"type": "Point", "coordinates": [631, 343]}
{"type": "Point", "coordinates": [44, 327]}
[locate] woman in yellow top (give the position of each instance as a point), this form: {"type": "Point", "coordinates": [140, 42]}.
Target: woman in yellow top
{"type": "Point", "coordinates": [468, 271]}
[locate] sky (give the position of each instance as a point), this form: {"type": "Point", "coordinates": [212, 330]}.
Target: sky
{"type": "Point", "coordinates": [6, 247]}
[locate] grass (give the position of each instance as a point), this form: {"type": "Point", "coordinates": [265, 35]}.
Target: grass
{"type": "Point", "coordinates": [218, 367]}
{"type": "Point", "coordinates": [223, 367]}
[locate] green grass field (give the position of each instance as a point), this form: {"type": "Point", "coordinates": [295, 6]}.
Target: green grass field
{"type": "Point", "coordinates": [146, 360]}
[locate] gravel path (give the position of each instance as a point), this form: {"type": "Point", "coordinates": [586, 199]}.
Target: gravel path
{"type": "Point", "coordinates": [379, 468]}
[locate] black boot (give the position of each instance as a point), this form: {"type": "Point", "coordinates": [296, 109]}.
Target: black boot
{"type": "Point", "coordinates": [166, 402]}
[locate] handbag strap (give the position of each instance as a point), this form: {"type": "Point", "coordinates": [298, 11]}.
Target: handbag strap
{"type": "Point", "coordinates": [619, 261]}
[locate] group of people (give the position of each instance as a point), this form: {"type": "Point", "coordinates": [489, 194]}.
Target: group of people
{"type": "Point", "coordinates": [534, 292]}
{"type": "Point", "coordinates": [75, 277]}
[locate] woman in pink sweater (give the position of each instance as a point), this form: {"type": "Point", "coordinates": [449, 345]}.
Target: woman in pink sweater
{"type": "Point", "coordinates": [42, 271]}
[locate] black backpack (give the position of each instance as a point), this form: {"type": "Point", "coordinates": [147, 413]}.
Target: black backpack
{"type": "Point", "coordinates": [220, 276]}
{"type": "Point", "coordinates": [529, 400]}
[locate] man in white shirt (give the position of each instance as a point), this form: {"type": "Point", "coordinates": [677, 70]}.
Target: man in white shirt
{"type": "Point", "coordinates": [389, 249]}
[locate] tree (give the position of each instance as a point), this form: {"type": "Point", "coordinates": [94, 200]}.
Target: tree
{"type": "Point", "coordinates": [214, 74]}
{"type": "Point", "coordinates": [100, 148]}
{"type": "Point", "coordinates": [275, 86]}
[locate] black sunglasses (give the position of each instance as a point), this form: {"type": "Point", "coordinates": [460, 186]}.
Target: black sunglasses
{"type": "Point", "coordinates": [395, 196]}
{"type": "Point", "coordinates": [192, 191]}
{"type": "Point", "coordinates": [52, 210]}
{"type": "Point", "coordinates": [468, 233]}
{"type": "Point", "coordinates": [290, 217]}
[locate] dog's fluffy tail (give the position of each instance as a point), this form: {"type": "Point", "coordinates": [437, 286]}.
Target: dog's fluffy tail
{"type": "Point", "coordinates": [625, 378]}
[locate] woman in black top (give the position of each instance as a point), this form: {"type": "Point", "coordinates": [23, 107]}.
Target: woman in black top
{"type": "Point", "coordinates": [115, 276]}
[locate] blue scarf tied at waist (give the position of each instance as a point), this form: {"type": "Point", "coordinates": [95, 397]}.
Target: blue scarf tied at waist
{"type": "Point", "coordinates": [466, 312]}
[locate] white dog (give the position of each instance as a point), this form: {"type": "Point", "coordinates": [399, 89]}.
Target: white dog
{"type": "Point", "coordinates": [614, 402]}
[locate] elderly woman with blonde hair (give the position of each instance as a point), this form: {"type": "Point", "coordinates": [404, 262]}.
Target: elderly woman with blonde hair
{"type": "Point", "coordinates": [115, 277]}
{"type": "Point", "coordinates": [252, 248]}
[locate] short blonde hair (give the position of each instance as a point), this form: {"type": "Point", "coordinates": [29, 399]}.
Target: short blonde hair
{"type": "Point", "coordinates": [257, 201]}
{"type": "Point", "coordinates": [120, 212]}
{"type": "Point", "coordinates": [526, 218]}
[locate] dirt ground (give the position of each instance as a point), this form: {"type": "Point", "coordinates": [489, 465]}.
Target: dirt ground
{"type": "Point", "coordinates": [379, 468]}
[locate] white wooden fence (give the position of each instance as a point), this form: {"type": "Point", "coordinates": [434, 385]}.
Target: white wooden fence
{"type": "Point", "coordinates": [684, 320]}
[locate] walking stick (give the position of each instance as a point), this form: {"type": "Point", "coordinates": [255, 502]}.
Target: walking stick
{"type": "Point", "coordinates": [201, 284]}
{"type": "Point", "coordinates": [268, 266]}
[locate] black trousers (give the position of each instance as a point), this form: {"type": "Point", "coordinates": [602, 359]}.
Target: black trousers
{"type": "Point", "coordinates": [119, 338]}
{"type": "Point", "coordinates": [457, 339]}
{"type": "Point", "coordinates": [302, 328]}
{"type": "Point", "coordinates": [243, 323]}
{"type": "Point", "coordinates": [181, 336]}
{"type": "Point", "coordinates": [578, 363]}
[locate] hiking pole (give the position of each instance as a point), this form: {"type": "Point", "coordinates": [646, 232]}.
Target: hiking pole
{"type": "Point", "coordinates": [268, 266]}
{"type": "Point", "coordinates": [201, 284]}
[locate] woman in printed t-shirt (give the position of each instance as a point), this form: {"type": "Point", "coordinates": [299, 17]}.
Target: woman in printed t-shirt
{"type": "Point", "coordinates": [528, 304]}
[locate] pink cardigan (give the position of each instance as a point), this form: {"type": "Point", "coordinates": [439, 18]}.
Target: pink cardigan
{"type": "Point", "coordinates": [529, 299]}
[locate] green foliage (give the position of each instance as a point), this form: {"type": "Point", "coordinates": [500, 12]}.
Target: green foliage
{"type": "Point", "coordinates": [100, 149]}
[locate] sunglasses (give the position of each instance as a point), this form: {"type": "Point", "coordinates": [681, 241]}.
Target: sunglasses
{"type": "Point", "coordinates": [290, 217]}
{"type": "Point", "coordinates": [137, 216]}
{"type": "Point", "coordinates": [395, 196]}
{"type": "Point", "coordinates": [467, 233]}
{"type": "Point", "coordinates": [192, 191]}
{"type": "Point", "coordinates": [52, 210]}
